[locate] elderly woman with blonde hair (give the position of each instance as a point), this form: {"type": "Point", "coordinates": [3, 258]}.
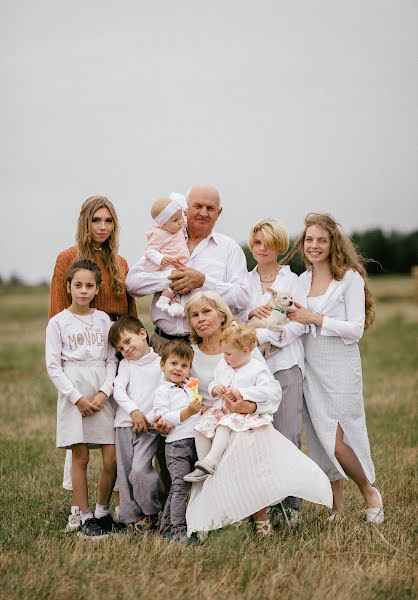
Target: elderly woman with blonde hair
{"type": "Point", "coordinates": [259, 467]}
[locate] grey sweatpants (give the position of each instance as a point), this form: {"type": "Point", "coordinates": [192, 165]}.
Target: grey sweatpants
{"type": "Point", "coordinates": [288, 419]}
{"type": "Point", "coordinates": [180, 456]}
{"type": "Point", "coordinates": [137, 478]}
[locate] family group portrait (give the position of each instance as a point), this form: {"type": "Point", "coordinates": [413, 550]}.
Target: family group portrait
{"type": "Point", "coordinates": [209, 301]}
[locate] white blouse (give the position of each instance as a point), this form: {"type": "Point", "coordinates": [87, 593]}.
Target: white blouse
{"type": "Point", "coordinates": [80, 339]}
{"type": "Point", "coordinates": [254, 381]}
{"type": "Point", "coordinates": [291, 352]}
{"type": "Point", "coordinates": [342, 306]}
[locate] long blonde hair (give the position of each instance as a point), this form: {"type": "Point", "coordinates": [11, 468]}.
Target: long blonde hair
{"type": "Point", "coordinates": [109, 248]}
{"type": "Point", "coordinates": [342, 256]}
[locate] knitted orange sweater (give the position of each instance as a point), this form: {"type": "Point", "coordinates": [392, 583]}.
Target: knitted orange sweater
{"type": "Point", "coordinates": [105, 300]}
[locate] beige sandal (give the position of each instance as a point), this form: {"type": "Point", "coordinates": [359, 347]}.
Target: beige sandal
{"type": "Point", "coordinates": [263, 527]}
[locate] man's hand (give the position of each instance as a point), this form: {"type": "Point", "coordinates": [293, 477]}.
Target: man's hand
{"type": "Point", "coordinates": [99, 400]}
{"type": "Point", "coordinates": [185, 280]}
{"type": "Point", "coordinates": [139, 422]}
{"type": "Point", "coordinates": [86, 407]}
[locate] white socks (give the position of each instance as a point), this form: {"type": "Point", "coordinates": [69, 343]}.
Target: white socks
{"type": "Point", "coordinates": [174, 310]}
{"type": "Point", "coordinates": [86, 514]}
{"type": "Point", "coordinates": [101, 510]}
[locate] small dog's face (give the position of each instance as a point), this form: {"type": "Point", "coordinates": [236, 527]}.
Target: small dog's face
{"type": "Point", "coordinates": [280, 299]}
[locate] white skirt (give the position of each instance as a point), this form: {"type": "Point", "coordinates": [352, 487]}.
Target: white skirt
{"type": "Point", "coordinates": [259, 468]}
{"type": "Point", "coordinates": [72, 427]}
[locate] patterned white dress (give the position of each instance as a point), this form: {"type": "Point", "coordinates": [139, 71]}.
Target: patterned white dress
{"type": "Point", "coordinates": [254, 381]}
{"type": "Point", "coordinates": [333, 377]}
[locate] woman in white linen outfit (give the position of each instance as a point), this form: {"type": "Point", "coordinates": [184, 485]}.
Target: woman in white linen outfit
{"type": "Point", "coordinates": [259, 467]}
{"type": "Point", "coordinates": [340, 306]}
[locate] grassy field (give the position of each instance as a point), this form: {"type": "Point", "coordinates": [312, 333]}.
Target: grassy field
{"type": "Point", "coordinates": [317, 560]}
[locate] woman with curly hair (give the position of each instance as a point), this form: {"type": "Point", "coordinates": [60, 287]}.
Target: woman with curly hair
{"type": "Point", "coordinates": [340, 307]}
{"type": "Point", "coordinates": [97, 239]}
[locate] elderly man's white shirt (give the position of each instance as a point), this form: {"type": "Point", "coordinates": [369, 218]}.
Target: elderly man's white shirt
{"type": "Point", "coordinates": [219, 258]}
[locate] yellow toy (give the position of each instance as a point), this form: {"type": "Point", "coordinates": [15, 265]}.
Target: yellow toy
{"type": "Point", "coordinates": [193, 384]}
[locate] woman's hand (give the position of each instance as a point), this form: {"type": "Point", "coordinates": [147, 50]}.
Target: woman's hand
{"type": "Point", "coordinates": [303, 315]}
{"type": "Point", "coordinates": [261, 312]}
{"type": "Point", "coordinates": [162, 425]}
{"type": "Point", "coordinates": [235, 403]}
{"type": "Point", "coordinates": [99, 400]}
{"type": "Point", "coordinates": [86, 407]}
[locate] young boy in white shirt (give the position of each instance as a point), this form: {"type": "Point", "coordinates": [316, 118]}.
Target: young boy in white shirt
{"type": "Point", "coordinates": [176, 403]}
{"type": "Point", "coordinates": [138, 377]}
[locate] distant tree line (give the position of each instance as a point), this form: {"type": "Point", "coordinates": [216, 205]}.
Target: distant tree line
{"type": "Point", "coordinates": [384, 252]}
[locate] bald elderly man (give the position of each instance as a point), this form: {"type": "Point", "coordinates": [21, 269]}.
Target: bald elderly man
{"type": "Point", "coordinates": [216, 263]}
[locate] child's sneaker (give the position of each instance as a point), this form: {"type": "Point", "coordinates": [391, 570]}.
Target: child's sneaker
{"type": "Point", "coordinates": [196, 475]}
{"type": "Point", "coordinates": [148, 523]}
{"type": "Point", "coordinates": [206, 466]}
{"type": "Point", "coordinates": [108, 524]}
{"type": "Point", "coordinates": [74, 522]}
{"type": "Point", "coordinates": [91, 530]}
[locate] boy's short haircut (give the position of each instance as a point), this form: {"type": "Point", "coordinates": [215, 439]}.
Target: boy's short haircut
{"type": "Point", "coordinates": [126, 323]}
{"type": "Point", "coordinates": [179, 348]}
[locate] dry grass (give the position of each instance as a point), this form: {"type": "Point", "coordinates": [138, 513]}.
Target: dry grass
{"type": "Point", "coordinates": [347, 561]}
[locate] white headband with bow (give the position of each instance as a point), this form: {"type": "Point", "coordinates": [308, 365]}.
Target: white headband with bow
{"type": "Point", "coordinates": [177, 202]}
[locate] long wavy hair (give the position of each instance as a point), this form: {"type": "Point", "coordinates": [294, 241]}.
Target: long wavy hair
{"type": "Point", "coordinates": [110, 247]}
{"type": "Point", "coordinates": [342, 257]}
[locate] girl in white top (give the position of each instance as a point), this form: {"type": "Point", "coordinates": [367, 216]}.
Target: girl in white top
{"type": "Point", "coordinates": [82, 366]}
{"type": "Point", "coordinates": [267, 240]}
{"type": "Point", "coordinates": [167, 246]}
{"type": "Point", "coordinates": [236, 373]}
{"type": "Point", "coordinates": [340, 307]}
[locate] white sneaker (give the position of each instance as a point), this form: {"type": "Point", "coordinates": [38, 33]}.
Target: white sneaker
{"type": "Point", "coordinates": [74, 522]}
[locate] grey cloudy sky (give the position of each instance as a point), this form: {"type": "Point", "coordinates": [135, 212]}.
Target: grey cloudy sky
{"type": "Point", "coordinates": [287, 107]}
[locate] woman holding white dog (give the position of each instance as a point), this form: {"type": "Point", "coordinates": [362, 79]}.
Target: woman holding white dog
{"type": "Point", "coordinates": [340, 307]}
{"type": "Point", "coordinates": [267, 240]}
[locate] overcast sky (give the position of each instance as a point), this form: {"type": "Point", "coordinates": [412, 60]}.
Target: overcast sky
{"type": "Point", "coordinates": [286, 106]}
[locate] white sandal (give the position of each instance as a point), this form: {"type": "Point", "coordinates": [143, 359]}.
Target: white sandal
{"type": "Point", "coordinates": [263, 527]}
{"type": "Point", "coordinates": [334, 517]}
{"type": "Point", "coordinates": [375, 515]}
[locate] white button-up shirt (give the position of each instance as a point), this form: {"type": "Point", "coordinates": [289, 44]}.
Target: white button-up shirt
{"type": "Point", "coordinates": [169, 401]}
{"type": "Point", "coordinates": [219, 258]}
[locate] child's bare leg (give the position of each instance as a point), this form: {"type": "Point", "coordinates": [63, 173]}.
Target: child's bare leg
{"type": "Point", "coordinates": [352, 466]}
{"type": "Point", "coordinates": [167, 293]}
{"type": "Point", "coordinates": [79, 475]}
{"type": "Point", "coordinates": [107, 475]}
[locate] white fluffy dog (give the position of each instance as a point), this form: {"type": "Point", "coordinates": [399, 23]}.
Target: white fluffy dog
{"type": "Point", "coordinates": [279, 301]}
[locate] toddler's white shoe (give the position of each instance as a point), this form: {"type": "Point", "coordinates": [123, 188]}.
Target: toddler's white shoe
{"type": "Point", "coordinates": [205, 466]}
{"type": "Point", "coordinates": [163, 303]}
{"type": "Point", "coordinates": [74, 522]}
{"type": "Point", "coordinates": [175, 310]}
{"type": "Point", "coordinates": [196, 475]}
{"type": "Point", "coordinates": [375, 515]}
